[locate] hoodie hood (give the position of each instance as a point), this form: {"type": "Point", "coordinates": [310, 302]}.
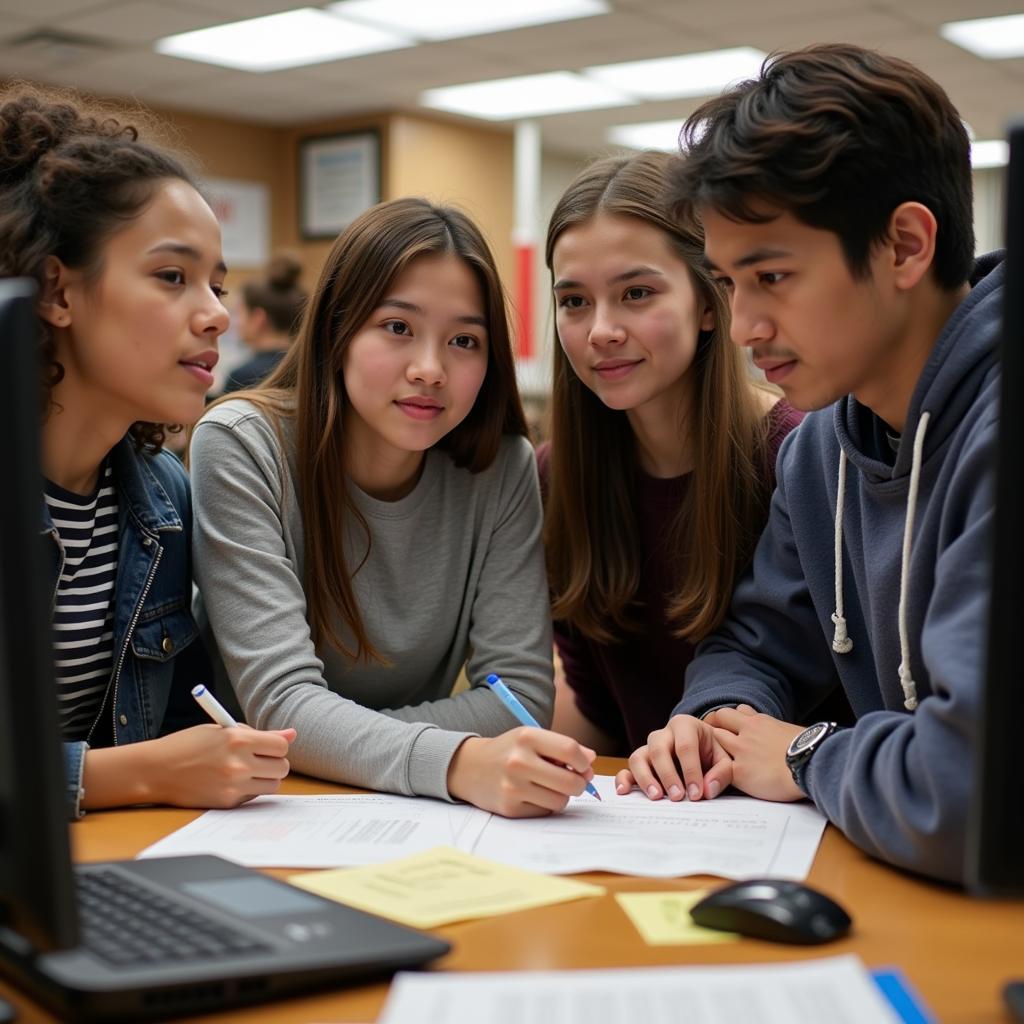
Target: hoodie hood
{"type": "Point", "coordinates": [946, 390]}
{"type": "Point", "coordinates": [962, 356]}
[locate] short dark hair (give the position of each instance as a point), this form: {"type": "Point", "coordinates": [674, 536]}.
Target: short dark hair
{"type": "Point", "coordinates": [71, 175]}
{"type": "Point", "coordinates": [278, 294]}
{"type": "Point", "coordinates": [838, 136]}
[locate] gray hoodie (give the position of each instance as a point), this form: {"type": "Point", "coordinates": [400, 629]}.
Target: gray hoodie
{"type": "Point", "coordinates": [803, 621]}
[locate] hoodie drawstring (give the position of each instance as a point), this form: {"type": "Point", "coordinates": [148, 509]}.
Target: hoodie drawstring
{"type": "Point", "coordinates": [906, 679]}
{"type": "Point", "coordinates": [841, 642]}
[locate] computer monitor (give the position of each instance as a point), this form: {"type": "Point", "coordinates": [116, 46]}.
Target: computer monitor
{"type": "Point", "coordinates": [36, 888]}
{"type": "Point", "coordinates": [995, 864]}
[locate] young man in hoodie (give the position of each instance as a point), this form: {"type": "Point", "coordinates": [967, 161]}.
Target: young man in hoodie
{"type": "Point", "coordinates": [835, 193]}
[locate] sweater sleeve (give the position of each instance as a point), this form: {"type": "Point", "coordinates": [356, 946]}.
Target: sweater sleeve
{"type": "Point", "coordinates": [510, 631]}
{"type": "Point", "coordinates": [257, 610]}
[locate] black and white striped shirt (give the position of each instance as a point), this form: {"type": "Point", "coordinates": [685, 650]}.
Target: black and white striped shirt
{"type": "Point", "coordinates": [83, 613]}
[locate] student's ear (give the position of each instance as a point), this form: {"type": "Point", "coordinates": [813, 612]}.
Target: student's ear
{"type": "Point", "coordinates": [707, 322]}
{"type": "Point", "coordinates": [912, 231]}
{"type": "Point", "coordinates": [52, 304]}
{"type": "Point", "coordinates": [258, 319]}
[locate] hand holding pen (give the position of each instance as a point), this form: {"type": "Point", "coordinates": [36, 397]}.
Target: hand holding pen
{"type": "Point", "coordinates": [520, 773]}
{"type": "Point", "coordinates": [512, 702]}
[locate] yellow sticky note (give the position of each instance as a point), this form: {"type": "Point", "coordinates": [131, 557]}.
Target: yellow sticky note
{"type": "Point", "coordinates": [663, 918]}
{"type": "Point", "coordinates": [440, 886]}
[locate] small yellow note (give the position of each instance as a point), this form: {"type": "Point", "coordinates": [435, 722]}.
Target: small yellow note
{"type": "Point", "coordinates": [663, 918]}
{"type": "Point", "coordinates": [440, 886]}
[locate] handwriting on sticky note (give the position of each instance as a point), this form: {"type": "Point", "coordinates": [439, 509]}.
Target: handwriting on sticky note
{"type": "Point", "coordinates": [663, 918]}
{"type": "Point", "coordinates": [440, 886]}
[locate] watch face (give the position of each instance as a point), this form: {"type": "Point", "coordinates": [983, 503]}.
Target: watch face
{"type": "Point", "coordinates": [807, 737]}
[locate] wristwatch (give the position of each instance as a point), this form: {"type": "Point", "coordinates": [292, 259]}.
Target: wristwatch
{"type": "Point", "coordinates": [803, 746]}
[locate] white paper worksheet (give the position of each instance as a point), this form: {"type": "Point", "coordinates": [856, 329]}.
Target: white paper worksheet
{"type": "Point", "coordinates": [325, 831]}
{"type": "Point", "coordinates": [735, 837]}
{"type": "Point", "coordinates": [838, 989]}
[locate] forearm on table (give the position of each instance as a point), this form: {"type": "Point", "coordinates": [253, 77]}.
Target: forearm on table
{"type": "Point", "coordinates": [119, 776]}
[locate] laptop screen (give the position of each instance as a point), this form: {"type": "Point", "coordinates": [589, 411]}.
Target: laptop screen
{"type": "Point", "coordinates": [996, 841]}
{"type": "Point", "coordinates": [36, 893]}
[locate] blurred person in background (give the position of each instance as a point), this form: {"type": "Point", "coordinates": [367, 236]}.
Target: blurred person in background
{"type": "Point", "coordinates": [267, 320]}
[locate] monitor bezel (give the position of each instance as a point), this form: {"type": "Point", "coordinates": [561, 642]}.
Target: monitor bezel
{"type": "Point", "coordinates": [37, 899]}
{"type": "Point", "coordinates": [995, 842]}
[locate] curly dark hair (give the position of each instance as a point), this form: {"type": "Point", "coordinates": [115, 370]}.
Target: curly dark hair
{"type": "Point", "coordinates": [838, 136]}
{"type": "Point", "coordinates": [70, 175]}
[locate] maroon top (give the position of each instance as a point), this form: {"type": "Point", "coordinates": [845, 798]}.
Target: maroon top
{"type": "Point", "coordinates": [629, 688]}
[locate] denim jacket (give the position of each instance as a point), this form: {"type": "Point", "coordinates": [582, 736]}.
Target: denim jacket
{"type": "Point", "coordinates": [157, 657]}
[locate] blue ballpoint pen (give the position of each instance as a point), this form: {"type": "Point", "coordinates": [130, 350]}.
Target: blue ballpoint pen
{"type": "Point", "coordinates": [511, 701]}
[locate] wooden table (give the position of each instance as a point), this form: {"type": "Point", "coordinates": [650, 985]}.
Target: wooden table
{"type": "Point", "coordinates": [955, 950]}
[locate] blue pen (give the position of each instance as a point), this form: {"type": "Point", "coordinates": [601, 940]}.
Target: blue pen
{"type": "Point", "coordinates": [511, 701]}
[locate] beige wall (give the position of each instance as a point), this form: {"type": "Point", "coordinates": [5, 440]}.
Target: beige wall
{"type": "Point", "coordinates": [231, 149]}
{"type": "Point", "coordinates": [463, 165]}
{"type": "Point", "coordinates": [466, 165]}
{"type": "Point", "coordinates": [313, 253]}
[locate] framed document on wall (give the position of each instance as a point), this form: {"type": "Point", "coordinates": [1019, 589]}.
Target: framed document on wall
{"type": "Point", "coordinates": [339, 177]}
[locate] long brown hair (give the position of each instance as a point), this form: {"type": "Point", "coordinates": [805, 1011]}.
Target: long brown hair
{"type": "Point", "coordinates": [309, 386]}
{"type": "Point", "coordinates": [591, 524]}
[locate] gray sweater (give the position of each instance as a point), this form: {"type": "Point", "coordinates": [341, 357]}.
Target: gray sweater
{"type": "Point", "coordinates": [455, 576]}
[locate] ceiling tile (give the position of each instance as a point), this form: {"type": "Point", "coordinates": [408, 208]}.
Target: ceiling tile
{"type": "Point", "coordinates": [42, 12]}
{"type": "Point", "coordinates": [937, 12]}
{"type": "Point", "coordinates": [986, 92]}
{"type": "Point", "coordinates": [420, 67]}
{"type": "Point", "coordinates": [140, 21]}
{"type": "Point", "coordinates": [11, 27]}
{"type": "Point", "coordinates": [131, 74]}
{"type": "Point", "coordinates": [864, 28]}
{"type": "Point", "coordinates": [231, 10]}
{"type": "Point", "coordinates": [735, 16]}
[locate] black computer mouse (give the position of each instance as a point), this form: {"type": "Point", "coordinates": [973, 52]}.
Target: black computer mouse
{"type": "Point", "coordinates": [773, 909]}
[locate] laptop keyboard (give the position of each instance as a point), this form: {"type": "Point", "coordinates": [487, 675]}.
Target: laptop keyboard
{"type": "Point", "coordinates": [128, 924]}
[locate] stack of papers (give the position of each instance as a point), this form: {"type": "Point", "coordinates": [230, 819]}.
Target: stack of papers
{"type": "Point", "coordinates": [837, 987]}
{"type": "Point", "coordinates": [733, 837]}
{"type": "Point", "coordinates": [325, 831]}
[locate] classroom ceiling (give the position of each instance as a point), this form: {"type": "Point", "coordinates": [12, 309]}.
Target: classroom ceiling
{"type": "Point", "coordinates": [106, 46]}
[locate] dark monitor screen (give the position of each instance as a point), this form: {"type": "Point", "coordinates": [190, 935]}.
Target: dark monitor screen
{"type": "Point", "coordinates": [996, 840]}
{"type": "Point", "coordinates": [36, 894]}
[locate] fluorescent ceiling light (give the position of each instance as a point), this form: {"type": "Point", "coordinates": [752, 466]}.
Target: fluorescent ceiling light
{"type": "Point", "coordinates": [663, 135]}
{"type": "Point", "coordinates": [503, 99]}
{"type": "Point", "coordinates": [993, 38]}
{"type": "Point", "coordinates": [989, 153]}
{"type": "Point", "coordinates": [450, 19]}
{"type": "Point", "coordinates": [696, 74]}
{"type": "Point", "coordinates": [288, 40]}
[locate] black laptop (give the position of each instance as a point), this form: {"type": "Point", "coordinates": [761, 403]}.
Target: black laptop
{"type": "Point", "coordinates": [127, 939]}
